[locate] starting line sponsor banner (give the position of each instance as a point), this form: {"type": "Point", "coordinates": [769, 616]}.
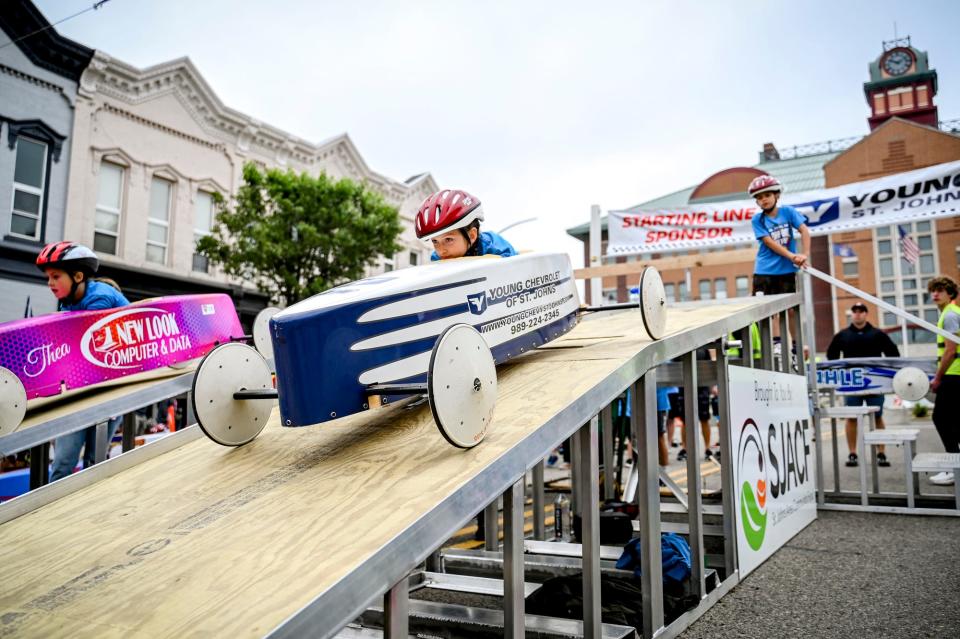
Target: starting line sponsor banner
{"type": "Point", "coordinates": [868, 375]}
{"type": "Point", "coordinates": [925, 193]}
{"type": "Point", "coordinates": [773, 471]}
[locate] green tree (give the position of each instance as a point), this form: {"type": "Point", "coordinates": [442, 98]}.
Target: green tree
{"type": "Point", "coordinates": [294, 235]}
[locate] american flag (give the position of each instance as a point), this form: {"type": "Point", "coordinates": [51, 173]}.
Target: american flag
{"type": "Point", "coordinates": [908, 248]}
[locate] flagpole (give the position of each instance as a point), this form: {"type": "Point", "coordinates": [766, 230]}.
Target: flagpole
{"type": "Point", "coordinates": [898, 283]}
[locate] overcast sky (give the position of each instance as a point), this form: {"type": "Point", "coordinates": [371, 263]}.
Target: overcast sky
{"type": "Point", "coordinates": [539, 108]}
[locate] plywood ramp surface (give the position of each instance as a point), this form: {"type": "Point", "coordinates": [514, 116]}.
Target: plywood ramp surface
{"type": "Point", "coordinates": [213, 541]}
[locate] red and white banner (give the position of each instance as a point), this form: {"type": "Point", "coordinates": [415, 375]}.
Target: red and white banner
{"type": "Point", "coordinates": [922, 194]}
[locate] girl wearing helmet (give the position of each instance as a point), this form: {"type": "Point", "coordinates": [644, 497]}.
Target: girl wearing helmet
{"type": "Point", "coordinates": [70, 268]}
{"type": "Point", "coordinates": [777, 261]}
{"type": "Point", "coordinates": [450, 219]}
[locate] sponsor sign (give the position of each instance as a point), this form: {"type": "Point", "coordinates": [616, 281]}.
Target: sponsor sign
{"type": "Point", "coordinates": [926, 193]}
{"type": "Point", "coordinates": [868, 375]}
{"type": "Point", "coordinates": [67, 351]}
{"type": "Point", "coordinates": [773, 467]}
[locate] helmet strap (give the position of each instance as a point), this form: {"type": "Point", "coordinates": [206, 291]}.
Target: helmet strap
{"type": "Point", "coordinates": [75, 286]}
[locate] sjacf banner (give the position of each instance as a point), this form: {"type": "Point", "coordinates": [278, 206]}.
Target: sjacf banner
{"type": "Point", "coordinates": [774, 468]}
{"type": "Point", "coordinates": [868, 375]}
{"type": "Point", "coordinates": [925, 193]}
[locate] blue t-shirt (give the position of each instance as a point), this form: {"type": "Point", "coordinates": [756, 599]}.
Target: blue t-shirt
{"type": "Point", "coordinates": [663, 397]}
{"type": "Point", "coordinates": [781, 230]}
{"type": "Point", "coordinates": [98, 296]}
{"type": "Point", "coordinates": [490, 244]}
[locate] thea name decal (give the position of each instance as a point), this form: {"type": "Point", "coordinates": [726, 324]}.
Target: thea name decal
{"type": "Point", "coordinates": [42, 356]}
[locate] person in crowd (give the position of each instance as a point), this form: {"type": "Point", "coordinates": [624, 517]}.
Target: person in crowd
{"type": "Point", "coordinates": [70, 268]}
{"type": "Point", "coordinates": [450, 220]}
{"type": "Point", "coordinates": [946, 382]}
{"type": "Point", "coordinates": [703, 413]}
{"type": "Point", "coordinates": [862, 339]}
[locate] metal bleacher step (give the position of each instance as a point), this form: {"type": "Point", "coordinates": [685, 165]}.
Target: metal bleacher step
{"type": "Point", "coordinates": [891, 436]}
{"type": "Point", "coordinates": [442, 619]}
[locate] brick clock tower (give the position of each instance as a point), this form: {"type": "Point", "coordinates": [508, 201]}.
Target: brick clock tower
{"type": "Point", "coordinates": [902, 85]}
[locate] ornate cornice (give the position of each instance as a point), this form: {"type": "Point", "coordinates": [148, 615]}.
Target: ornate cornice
{"type": "Point", "coordinates": [126, 84]}
{"type": "Point", "coordinates": [40, 82]}
{"type": "Point", "coordinates": [40, 42]}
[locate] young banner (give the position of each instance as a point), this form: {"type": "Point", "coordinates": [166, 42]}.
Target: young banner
{"type": "Point", "coordinates": [773, 470]}
{"type": "Point", "coordinates": [925, 193]}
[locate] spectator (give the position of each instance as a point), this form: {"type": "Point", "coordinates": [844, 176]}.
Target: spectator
{"type": "Point", "coordinates": [946, 382]}
{"type": "Point", "coordinates": [861, 339]}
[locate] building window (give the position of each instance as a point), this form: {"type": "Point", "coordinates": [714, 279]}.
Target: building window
{"type": "Point", "coordinates": [158, 222]}
{"type": "Point", "coordinates": [900, 99]}
{"type": "Point", "coordinates": [932, 315]}
{"type": "Point", "coordinates": [878, 104]}
{"type": "Point", "coordinates": [670, 292]}
{"type": "Point", "coordinates": [913, 288]}
{"type": "Point", "coordinates": [684, 293]}
{"type": "Point", "coordinates": [28, 181]}
{"type": "Point", "coordinates": [202, 223]}
{"type": "Point", "coordinates": [884, 247]}
{"type": "Point", "coordinates": [414, 258]}
{"type": "Point", "coordinates": [106, 232]}
{"type": "Point", "coordinates": [886, 267]}
{"type": "Point", "coordinates": [743, 285]}
{"type": "Point", "coordinates": [850, 267]}
{"type": "Point", "coordinates": [610, 295]}
{"type": "Point", "coordinates": [705, 290]}
{"type": "Point", "coordinates": [720, 286]}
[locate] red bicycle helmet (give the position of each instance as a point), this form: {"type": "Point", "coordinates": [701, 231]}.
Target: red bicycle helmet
{"type": "Point", "coordinates": [447, 211]}
{"type": "Point", "coordinates": [68, 256]}
{"type": "Point", "coordinates": [764, 184]}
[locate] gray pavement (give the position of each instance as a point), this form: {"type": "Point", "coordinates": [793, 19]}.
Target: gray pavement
{"type": "Point", "coordinates": [849, 575]}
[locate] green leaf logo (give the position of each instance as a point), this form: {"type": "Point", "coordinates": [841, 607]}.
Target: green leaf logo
{"type": "Point", "coordinates": [753, 487]}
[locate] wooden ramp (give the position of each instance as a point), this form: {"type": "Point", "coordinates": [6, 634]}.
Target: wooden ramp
{"type": "Point", "coordinates": [303, 528]}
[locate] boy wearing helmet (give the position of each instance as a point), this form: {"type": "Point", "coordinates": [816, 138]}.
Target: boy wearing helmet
{"type": "Point", "coordinates": [777, 261]}
{"type": "Point", "coordinates": [450, 219]}
{"type": "Point", "coordinates": [70, 268]}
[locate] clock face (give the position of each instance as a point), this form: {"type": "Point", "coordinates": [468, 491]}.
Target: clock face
{"type": "Point", "coordinates": [897, 62]}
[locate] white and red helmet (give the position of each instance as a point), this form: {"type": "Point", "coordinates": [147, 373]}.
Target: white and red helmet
{"type": "Point", "coordinates": [446, 211]}
{"type": "Point", "coordinates": [764, 184]}
{"type": "Point", "coordinates": [68, 256]}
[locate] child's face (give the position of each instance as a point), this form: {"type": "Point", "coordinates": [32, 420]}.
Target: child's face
{"type": "Point", "coordinates": [60, 282]}
{"type": "Point", "coordinates": [452, 244]}
{"type": "Point", "coordinates": [766, 200]}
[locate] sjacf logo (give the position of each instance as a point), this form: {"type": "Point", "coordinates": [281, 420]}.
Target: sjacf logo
{"type": "Point", "coordinates": [477, 302]}
{"type": "Point", "coordinates": [753, 485]}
